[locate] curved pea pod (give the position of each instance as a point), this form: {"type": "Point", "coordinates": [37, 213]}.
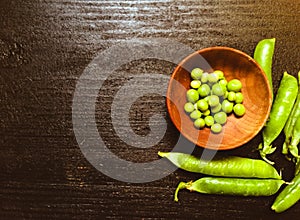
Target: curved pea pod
{"type": "Point", "coordinates": [227, 167]}
{"type": "Point", "coordinates": [232, 186]}
{"type": "Point", "coordinates": [297, 168]}
{"type": "Point", "coordinates": [288, 128]}
{"type": "Point", "coordinates": [292, 147]}
{"type": "Point", "coordinates": [263, 55]}
{"type": "Point", "coordinates": [288, 196]}
{"type": "Point", "coordinates": [280, 111]}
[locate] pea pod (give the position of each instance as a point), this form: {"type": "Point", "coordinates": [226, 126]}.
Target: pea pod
{"type": "Point", "coordinates": [280, 111]}
{"type": "Point", "coordinates": [232, 186]}
{"type": "Point", "coordinates": [293, 149]}
{"type": "Point", "coordinates": [263, 55]}
{"type": "Point", "coordinates": [230, 166]}
{"type": "Point", "coordinates": [288, 128]}
{"type": "Point", "coordinates": [297, 168]}
{"type": "Point", "coordinates": [288, 196]}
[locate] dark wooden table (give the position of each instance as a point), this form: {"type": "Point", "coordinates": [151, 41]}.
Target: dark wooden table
{"type": "Point", "coordinates": [45, 47]}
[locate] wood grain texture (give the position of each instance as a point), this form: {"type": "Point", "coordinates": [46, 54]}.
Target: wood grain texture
{"type": "Point", "coordinates": [44, 47]}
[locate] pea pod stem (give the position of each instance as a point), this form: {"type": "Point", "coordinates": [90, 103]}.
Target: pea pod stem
{"type": "Point", "coordinates": [230, 166]}
{"type": "Point", "coordinates": [280, 111]}
{"type": "Point", "coordinates": [181, 185]}
{"type": "Point", "coordinates": [263, 55]}
{"type": "Point", "coordinates": [232, 186]}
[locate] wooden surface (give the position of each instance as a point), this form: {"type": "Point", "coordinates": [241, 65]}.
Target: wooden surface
{"type": "Point", "coordinates": [45, 45]}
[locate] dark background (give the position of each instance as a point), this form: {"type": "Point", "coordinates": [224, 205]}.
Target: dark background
{"type": "Point", "coordinates": [44, 47]}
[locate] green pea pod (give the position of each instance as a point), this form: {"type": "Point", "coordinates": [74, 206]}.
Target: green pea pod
{"type": "Point", "coordinates": [293, 149]}
{"type": "Point", "coordinates": [280, 111]}
{"type": "Point", "coordinates": [232, 186]}
{"type": "Point", "coordinates": [288, 196]}
{"type": "Point", "coordinates": [288, 128]}
{"type": "Point", "coordinates": [263, 55]}
{"type": "Point", "coordinates": [297, 168]}
{"type": "Point", "coordinates": [230, 166]}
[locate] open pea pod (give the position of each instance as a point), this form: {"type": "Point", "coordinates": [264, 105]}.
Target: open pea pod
{"type": "Point", "coordinates": [280, 111]}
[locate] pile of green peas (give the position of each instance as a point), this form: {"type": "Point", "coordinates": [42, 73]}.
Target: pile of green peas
{"type": "Point", "coordinates": [211, 98]}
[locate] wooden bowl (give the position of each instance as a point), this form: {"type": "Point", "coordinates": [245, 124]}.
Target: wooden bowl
{"type": "Point", "coordinates": [256, 91]}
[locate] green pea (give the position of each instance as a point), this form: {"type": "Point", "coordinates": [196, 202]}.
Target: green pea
{"type": "Point", "coordinates": [195, 84]}
{"type": "Point", "coordinates": [196, 73]}
{"type": "Point", "coordinates": [227, 106]}
{"type": "Point", "coordinates": [204, 78]}
{"type": "Point", "coordinates": [226, 94]}
{"type": "Point", "coordinates": [216, 108]}
{"type": "Point", "coordinates": [239, 97]}
{"type": "Point", "coordinates": [204, 90]}
{"type": "Point", "coordinates": [216, 128]}
{"type": "Point", "coordinates": [206, 113]}
{"type": "Point", "coordinates": [189, 107]}
{"type": "Point", "coordinates": [217, 89]}
{"type": "Point", "coordinates": [231, 96]}
{"type": "Point", "coordinates": [209, 120]}
{"type": "Point", "coordinates": [192, 95]}
{"type": "Point", "coordinates": [239, 109]}
{"type": "Point", "coordinates": [234, 85]}
{"type": "Point", "coordinates": [219, 73]}
{"type": "Point", "coordinates": [195, 114]}
{"type": "Point", "coordinates": [213, 78]}
{"type": "Point", "coordinates": [213, 100]}
{"type": "Point", "coordinates": [199, 123]}
{"type": "Point", "coordinates": [195, 106]}
{"type": "Point", "coordinates": [202, 105]}
{"type": "Point", "coordinates": [223, 84]}
{"type": "Point", "coordinates": [220, 118]}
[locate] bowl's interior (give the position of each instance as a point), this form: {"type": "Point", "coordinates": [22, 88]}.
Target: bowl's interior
{"type": "Point", "coordinates": [256, 91]}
